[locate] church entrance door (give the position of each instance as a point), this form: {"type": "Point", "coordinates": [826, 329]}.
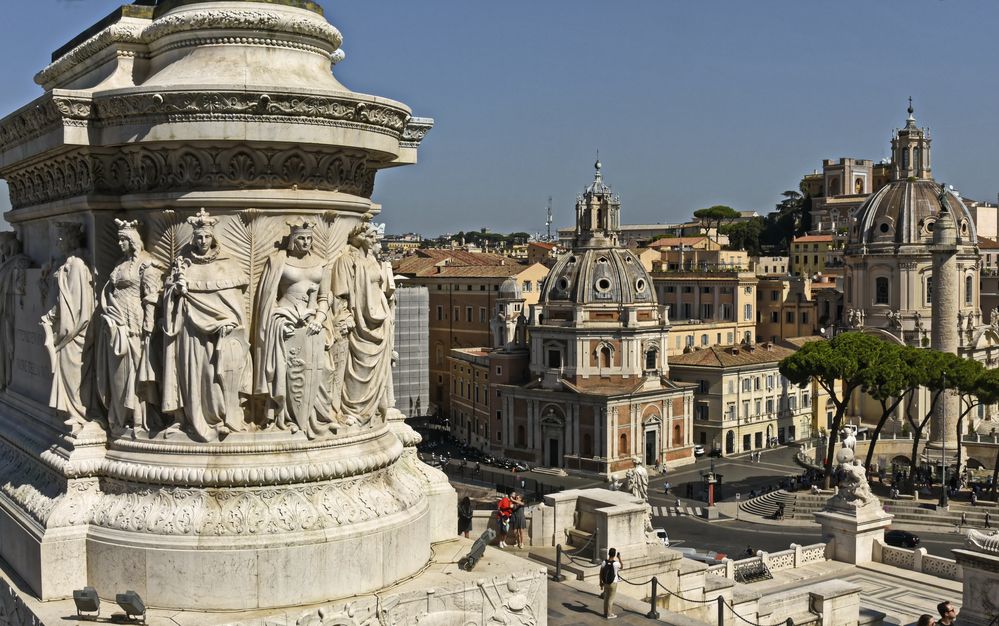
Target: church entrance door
{"type": "Point", "coordinates": [651, 448]}
{"type": "Point", "coordinates": [553, 453]}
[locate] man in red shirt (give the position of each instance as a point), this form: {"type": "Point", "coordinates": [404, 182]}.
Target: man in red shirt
{"type": "Point", "coordinates": [504, 511]}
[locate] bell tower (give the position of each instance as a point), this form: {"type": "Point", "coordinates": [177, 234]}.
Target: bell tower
{"type": "Point", "coordinates": [598, 214]}
{"type": "Point", "coordinates": [910, 151]}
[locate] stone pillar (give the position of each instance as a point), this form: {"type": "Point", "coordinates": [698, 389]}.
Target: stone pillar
{"type": "Point", "coordinates": [981, 579]}
{"type": "Point", "coordinates": [945, 333]}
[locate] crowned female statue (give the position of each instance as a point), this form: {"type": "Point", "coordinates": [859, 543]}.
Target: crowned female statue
{"type": "Point", "coordinates": [124, 374]}
{"type": "Point", "coordinates": [206, 352]}
{"type": "Point", "coordinates": [66, 324]}
{"type": "Point", "coordinates": [363, 290]}
{"type": "Point", "coordinates": [294, 368]}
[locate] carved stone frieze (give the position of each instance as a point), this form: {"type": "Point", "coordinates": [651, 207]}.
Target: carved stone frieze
{"type": "Point", "coordinates": [32, 486]}
{"type": "Point", "coordinates": [118, 33]}
{"type": "Point", "coordinates": [257, 20]}
{"type": "Point", "coordinates": [312, 109]}
{"type": "Point", "coordinates": [416, 129]}
{"type": "Point", "coordinates": [256, 512]}
{"type": "Point", "coordinates": [150, 170]}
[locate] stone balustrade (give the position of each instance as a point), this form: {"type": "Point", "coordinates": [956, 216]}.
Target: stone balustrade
{"type": "Point", "coordinates": [917, 561]}
{"type": "Point", "coordinates": [794, 557]}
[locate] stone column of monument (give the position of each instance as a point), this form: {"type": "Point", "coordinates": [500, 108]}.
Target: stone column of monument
{"type": "Point", "coordinates": [945, 334]}
{"type": "Point", "coordinates": [193, 195]}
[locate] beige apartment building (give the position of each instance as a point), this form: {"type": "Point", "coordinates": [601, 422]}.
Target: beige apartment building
{"type": "Point", "coordinates": [741, 402]}
{"type": "Point", "coordinates": [707, 308]}
{"type": "Point", "coordinates": [785, 308]}
{"type": "Point", "coordinates": [809, 254]}
{"type": "Point", "coordinates": [770, 265]}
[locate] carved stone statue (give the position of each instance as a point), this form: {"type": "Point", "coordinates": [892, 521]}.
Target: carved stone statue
{"type": "Point", "coordinates": [294, 368]}
{"type": "Point", "coordinates": [124, 375]}
{"type": "Point", "coordinates": [11, 276]}
{"type": "Point", "coordinates": [638, 480]}
{"type": "Point", "coordinates": [894, 319]}
{"type": "Point", "coordinates": [982, 542]}
{"type": "Point", "coordinates": [994, 317]}
{"type": "Point", "coordinates": [66, 324]}
{"type": "Point", "coordinates": [206, 352]}
{"type": "Point", "coordinates": [853, 491]}
{"type": "Point", "coordinates": [850, 437]}
{"type": "Point", "coordinates": [363, 288]}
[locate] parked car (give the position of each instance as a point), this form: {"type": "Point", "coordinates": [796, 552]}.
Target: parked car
{"type": "Point", "coordinates": [698, 450]}
{"type": "Point", "coordinates": [901, 539]}
{"type": "Point", "coordinates": [662, 536]}
{"type": "Point", "coordinates": [716, 452]}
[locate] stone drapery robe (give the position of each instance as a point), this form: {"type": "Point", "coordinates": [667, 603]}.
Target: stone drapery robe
{"type": "Point", "coordinates": [124, 374]}
{"type": "Point", "coordinates": [361, 286]}
{"type": "Point", "coordinates": [295, 373]}
{"type": "Point", "coordinates": [203, 373]}
{"type": "Point", "coordinates": [10, 271]}
{"type": "Point", "coordinates": [66, 326]}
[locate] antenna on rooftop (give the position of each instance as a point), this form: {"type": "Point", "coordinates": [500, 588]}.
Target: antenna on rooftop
{"type": "Point", "coordinates": [548, 221]}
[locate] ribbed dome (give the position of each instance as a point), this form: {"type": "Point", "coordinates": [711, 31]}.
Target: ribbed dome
{"type": "Point", "coordinates": [598, 276]}
{"type": "Point", "coordinates": [510, 289]}
{"type": "Point", "coordinates": [903, 212]}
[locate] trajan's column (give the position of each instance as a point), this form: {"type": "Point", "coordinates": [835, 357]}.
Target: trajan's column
{"type": "Point", "coordinates": [195, 331]}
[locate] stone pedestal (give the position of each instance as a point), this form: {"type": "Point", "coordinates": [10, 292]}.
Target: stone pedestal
{"type": "Point", "coordinates": [980, 603]}
{"type": "Point", "coordinates": [850, 535]}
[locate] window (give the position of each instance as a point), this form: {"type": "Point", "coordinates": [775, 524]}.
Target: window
{"type": "Point", "coordinates": [528, 285]}
{"type": "Point", "coordinates": [770, 381]}
{"type": "Point", "coordinates": [745, 410]}
{"type": "Point", "coordinates": [499, 372]}
{"type": "Point", "coordinates": [789, 317]}
{"type": "Point", "coordinates": [705, 289]}
{"type": "Point", "coordinates": [670, 289]}
{"type": "Point", "coordinates": [476, 393]}
{"type": "Point", "coordinates": [756, 383]}
{"type": "Point", "coordinates": [730, 338]}
{"type": "Point", "coordinates": [690, 341]}
{"type": "Point", "coordinates": [968, 289]}
{"type": "Point", "coordinates": [881, 290]}
{"type": "Point", "coordinates": [521, 437]}
{"type": "Point", "coordinates": [730, 411]}
{"type": "Point", "coordinates": [804, 317]}
{"type": "Point", "coordinates": [747, 384]}
{"type": "Point", "coordinates": [774, 316]}
{"type": "Point", "coordinates": [688, 289]}
{"type": "Point", "coordinates": [757, 406]}
{"type": "Point", "coordinates": [622, 446]}
{"type": "Point", "coordinates": [731, 386]}
{"type": "Point", "coordinates": [747, 312]}
{"type": "Point", "coordinates": [468, 314]}
{"type": "Point", "coordinates": [929, 290]}
{"type": "Point", "coordinates": [482, 313]}
{"type": "Point", "coordinates": [704, 386]}
{"type": "Point", "coordinates": [707, 311]}
{"type": "Point", "coordinates": [726, 312]}
{"type": "Point", "coordinates": [440, 312]}
{"type": "Point", "coordinates": [806, 400]}
{"type": "Point", "coordinates": [770, 405]}
{"type": "Point", "coordinates": [650, 360]}
{"type": "Point", "coordinates": [688, 311]}
{"type": "Point", "coordinates": [554, 358]}
{"type": "Point", "coordinates": [605, 356]}
{"type": "Point", "coordinates": [775, 295]}
{"type": "Point", "coordinates": [457, 314]}
{"type": "Point", "coordinates": [704, 339]}
{"type": "Point", "coordinates": [792, 403]}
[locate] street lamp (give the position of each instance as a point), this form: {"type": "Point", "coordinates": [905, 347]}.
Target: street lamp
{"type": "Point", "coordinates": [943, 449]}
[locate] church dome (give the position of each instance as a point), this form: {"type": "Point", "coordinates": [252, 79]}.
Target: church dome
{"type": "Point", "coordinates": [510, 290]}
{"type": "Point", "coordinates": [905, 211]}
{"type": "Point", "coordinates": [598, 276]}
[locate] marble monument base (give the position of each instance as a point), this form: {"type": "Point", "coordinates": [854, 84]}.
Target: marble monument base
{"type": "Point", "coordinates": [980, 603]}
{"type": "Point", "coordinates": [850, 535]}
{"type": "Point", "coordinates": [502, 589]}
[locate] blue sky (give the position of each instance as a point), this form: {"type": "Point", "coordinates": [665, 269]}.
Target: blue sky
{"type": "Point", "coordinates": [690, 103]}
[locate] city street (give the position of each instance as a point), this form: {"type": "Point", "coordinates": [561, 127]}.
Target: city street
{"type": "Point", "coordinates": [740, 476]}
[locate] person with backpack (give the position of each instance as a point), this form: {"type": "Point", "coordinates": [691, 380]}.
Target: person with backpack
{"type": "Point", "coordinates": [609, 577]}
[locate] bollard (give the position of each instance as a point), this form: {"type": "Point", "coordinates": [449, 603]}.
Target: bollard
{"type": "Point", "coordinates": [653, 612]}
{"type": "Point", "coordinates": [558, 564]}
{"type": "Point", "coordinates": [721, 611]}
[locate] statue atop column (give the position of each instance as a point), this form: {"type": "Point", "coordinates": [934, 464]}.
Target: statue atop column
{"type": "Point", "coordinates": [123, 371]}
{"type": "Point", "coordinates": [294, 336]}
{"type": "Point", "coordinates": [206, 351]}
{"type": "Point", "coordinates": [363, 289]}
{"type": "Point", "coordinates": [67, 323]}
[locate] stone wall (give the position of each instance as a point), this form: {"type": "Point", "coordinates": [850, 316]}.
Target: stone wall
{"type": "Point", "coordinates": [917, 561]}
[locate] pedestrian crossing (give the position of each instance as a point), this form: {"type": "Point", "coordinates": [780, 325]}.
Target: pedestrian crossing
{"type": "Point", "coordinates": [676, 511]}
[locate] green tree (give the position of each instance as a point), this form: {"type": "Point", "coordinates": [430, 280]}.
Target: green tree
{"type": "Point", "coordinates": [715, 216]}
{"type": "Point", "coordinates": [976, 386]}
{"type": "Point", "coordinates": [745, 235]}
{"type": "Point", "coordinates": [838, 366]}
{"type": "Point", "coordinates": [889, 381]}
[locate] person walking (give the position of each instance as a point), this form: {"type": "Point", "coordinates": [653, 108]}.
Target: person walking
{"type": "Point", "coordinates": [988, 520]}
{"type": "Point", "coordinates": [964, 519]}
{"type": "Point", "coordinates": [519, 522]}
{"type": "Point", "coordinates": [609, 577]}
{"type": "Point", "coordinates": [465, 516]}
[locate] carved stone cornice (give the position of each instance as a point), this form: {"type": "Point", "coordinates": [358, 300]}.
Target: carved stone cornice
{"type": "Point", "coordinates": [257, 20]}
{"type": "Point", "coordinates": [257, 512]}
{"type": "Point", "coordinates": [416, 129]}
{"type": "Point", "coordinates": [185, 106]}
{"type": "Point", "coordinates": [146, 170]}
{"type": "Point", "coordinates": [47, 114]}
{"type": "Point", "coordinates": [124, 32]}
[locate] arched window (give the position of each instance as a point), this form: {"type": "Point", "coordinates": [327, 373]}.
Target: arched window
{"type": "Point", "coordinates": [650, 359]}
{"type": "Point", "coordinates": [969, 289]}
{"type": "Point", "coordinates": [929, 290]}
{"type": "Point", "coordinates": [521, 437]}
{"type": "Point", "coordinates": [858, 185]}
{"type": "Point", "coordinates": [677, 435]}
{"type": "Point", "coordinates": [587, 445]}
{"type": "Point", "coordinates": [881, 290]}
{"type": "Point", "coordinates": [622, 445]}
{"type": "Point", "coordinates": [605, 356]}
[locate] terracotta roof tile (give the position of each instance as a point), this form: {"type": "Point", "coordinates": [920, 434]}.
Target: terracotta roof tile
{"type": "Point", "coordinates": [987, 244]}
{"type": "Point", "coordinates": [669, 242]}
{"type": "Point", "coordinates": [813, 239]}
{"type": "Point", "coordinates": [733, 356]}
